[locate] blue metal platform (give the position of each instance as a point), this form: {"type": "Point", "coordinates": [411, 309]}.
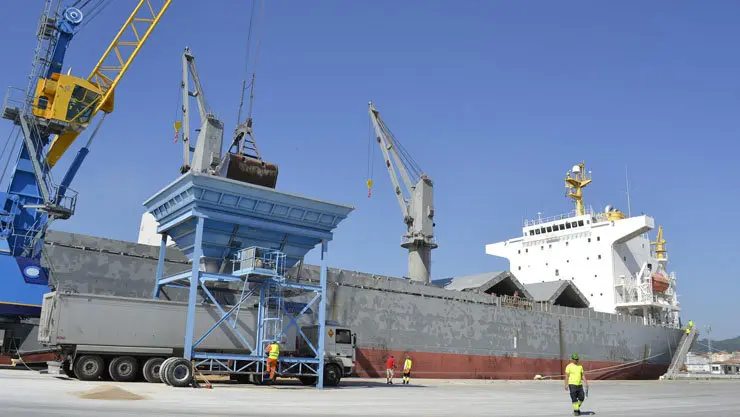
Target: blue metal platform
{"type": "Point", "coordinates": [245, 235]}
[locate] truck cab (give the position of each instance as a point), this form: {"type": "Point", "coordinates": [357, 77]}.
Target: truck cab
{"type": "Point", "coordinates": [339, 346]}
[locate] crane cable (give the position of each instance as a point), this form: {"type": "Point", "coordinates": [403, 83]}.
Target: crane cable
{"type": "Point", "coordinates": [246, 64]}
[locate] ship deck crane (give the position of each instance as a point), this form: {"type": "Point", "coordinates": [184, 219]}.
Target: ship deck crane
{"type": "Point", "coordinates": [241, 162]}
{"type": "Point", "coordinates": [51, 113]}
{"type": "Point", "coordinates": [415, 194]}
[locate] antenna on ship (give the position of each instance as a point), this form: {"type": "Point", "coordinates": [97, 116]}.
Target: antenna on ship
{"type": "Point", "coordinates": [575, 181]}
{"type": "Point", "coordinates": [629, 204]}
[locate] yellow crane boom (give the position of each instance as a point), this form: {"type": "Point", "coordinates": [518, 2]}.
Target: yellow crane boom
{"type": "Point", "coordinates": [79, 104]}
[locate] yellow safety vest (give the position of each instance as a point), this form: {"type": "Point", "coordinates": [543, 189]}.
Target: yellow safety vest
{"type": "Point", "coordinates": [407, 365]}
{"type": "Point", "coordinates": [274, 351]}
{"type": "Point", "coordinates": [574, 373]}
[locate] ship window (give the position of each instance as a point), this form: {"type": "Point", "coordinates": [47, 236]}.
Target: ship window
{"type": "Point", "coordinates": [531, 232]}
{"type": "Point", "coordinates": [587, 258]}
{"type": "Point", "coordinates": [588, 221]}
{"type": "Point", "coordinates": [567, 261]}
{"type": "Point", "coordinates": [549, 246]}
{"type": "Point", "coordinates": [537, 231]}
{"type": "Point", "coordinates": [567, 225]}
{"type": "Point", "coordinates": [624, 258]}
{"type": "Point", "coordinates": [650, 267]}
{"type": "Point", "coordinates": [601, 294]}
{"type": "Point", "coordinates": [574, 224]}
{"type": "Point", "coordinates": [520, 268]}
{"type": "Point", "coordinates": [566, 243]}
{"type": "Point", "coordinates": [557, 273]}
{"type": "Point", "coordinates": [526, 250]}
{"type": "Point", "coordinates": [542, 248]}
{"type": "Point", "coordinates": [599, 256]}
{"type": "Point", "coordinates": [519, 251]}
{"type": "Point", "coordinates": [595, 276]}
{"type": "Point", "coordinates": [549, 229]}
{"type": "Point", "coordinates": [580, 222]}
{"type": "Point", "coordinates": [598, 238]}
{"type": "Point", "coordinates": [589, 240]}
{"type": "Point", "coordinates": [542, 229]}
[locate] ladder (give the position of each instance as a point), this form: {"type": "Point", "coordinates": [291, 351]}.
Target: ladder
{"type": "Point", "coordinates": [272, 313]}
{"type": "Point", "coordinates": [679, 358]}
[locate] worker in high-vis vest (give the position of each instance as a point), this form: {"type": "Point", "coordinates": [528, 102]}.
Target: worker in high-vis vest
{"type": "Point", "coordinates": [273, 353]}
{"type": "Point", "coordinates": [407, 370]}
{"type": "Point", "coordinates": [574, 379]}
{"type": "Point", "coordinates": [691, 325]}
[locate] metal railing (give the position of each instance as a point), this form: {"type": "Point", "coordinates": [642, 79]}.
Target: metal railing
{"type": "Point", "coordinates": [258, 259]}
{"type": "Point", "coordinates": [563, 216]}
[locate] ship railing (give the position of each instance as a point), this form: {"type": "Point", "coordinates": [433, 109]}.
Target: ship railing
{"type": "Point", "coordinates": [516, 302]}
{"type": "Point", "coordinates": [589, 313]}
{"type": "Point", "coordinates": [568, 215]}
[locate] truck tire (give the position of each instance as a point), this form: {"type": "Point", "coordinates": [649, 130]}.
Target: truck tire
{"type": "Point", "coordinates": [180, 373]}
{"type": "Point", "coordinates": [150, 370]}
{"type": "Point", "coordinates": [89, 367]}
{"type": "Point", "coordinates": [123, 369]}
{"type": "Point", "coordinates": [332, 375]}
{"type": "Point", "coordinates": [163, 370]}
{"type": "Point", "coordinates": [308, 380]}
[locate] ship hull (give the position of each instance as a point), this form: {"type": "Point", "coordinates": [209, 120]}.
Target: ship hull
{"type": "Point", "coordinates": [448, 334]}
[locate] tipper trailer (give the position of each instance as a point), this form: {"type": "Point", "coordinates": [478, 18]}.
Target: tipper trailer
{"type": "Point", "coordinates": [123, 338]}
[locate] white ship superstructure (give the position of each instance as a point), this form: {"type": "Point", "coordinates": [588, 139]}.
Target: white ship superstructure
{"type": "Point", "coordinates": [607, 255]}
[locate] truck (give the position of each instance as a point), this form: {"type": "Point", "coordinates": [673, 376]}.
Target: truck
{"type": "Point", "coordinates": [125, 339]}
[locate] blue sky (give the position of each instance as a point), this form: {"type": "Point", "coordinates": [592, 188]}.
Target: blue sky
{"type": "Point", "coordinates": [495, 101]}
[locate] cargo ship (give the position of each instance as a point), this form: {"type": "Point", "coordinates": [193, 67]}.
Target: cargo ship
{"type": "Point", "coordinates": [586, 282]}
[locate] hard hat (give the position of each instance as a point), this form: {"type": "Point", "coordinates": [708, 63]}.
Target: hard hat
{"type": "Point", "coordinates": [574, 356]}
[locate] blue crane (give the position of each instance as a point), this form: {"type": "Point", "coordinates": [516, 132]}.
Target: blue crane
{"type": "Point", "coordinates": [51, 113]}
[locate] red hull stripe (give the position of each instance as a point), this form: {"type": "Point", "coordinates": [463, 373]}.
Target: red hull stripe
{"type": "Point", "coordinates": [371, 364]}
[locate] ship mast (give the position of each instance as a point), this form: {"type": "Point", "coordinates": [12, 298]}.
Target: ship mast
{"type": "Point", "coordinates": [660, 251]}
{"type": "Point", "coordinates": [575, 181]}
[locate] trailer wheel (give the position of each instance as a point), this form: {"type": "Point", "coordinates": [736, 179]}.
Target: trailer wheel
{"type": "Point", "coordinates": [308, 380]}
{"type": "Point", "coordinates": [163, 370]}
{"type": "Point", "coordinates": [89, 367]}
{"type": "Point", "coordinates": [332, 375]}
{"type": "Point", "coordinates": [151, 370]}
{"type": "Point", "coordinates": [123, 369]}
{"type": "Point", "coordinates": [180, 372]}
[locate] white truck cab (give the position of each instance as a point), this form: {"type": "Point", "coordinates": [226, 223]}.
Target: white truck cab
{"type": "Point", "coordinates": [339, 345]}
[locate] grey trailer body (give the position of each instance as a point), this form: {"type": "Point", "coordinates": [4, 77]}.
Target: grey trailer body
{"type": "Point", "coordinates": [101, 323]}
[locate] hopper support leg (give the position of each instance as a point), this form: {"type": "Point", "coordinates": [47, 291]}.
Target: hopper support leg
{"type": "Point", "coordinates": [194, 282]}
{"type": "Point", "coordinates": [160, 265]}
{"type": "Point", "coordinates": [322, 314]}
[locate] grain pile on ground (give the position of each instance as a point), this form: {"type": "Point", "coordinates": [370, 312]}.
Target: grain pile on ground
{"type": "Point", "coordinates": [109, 393]}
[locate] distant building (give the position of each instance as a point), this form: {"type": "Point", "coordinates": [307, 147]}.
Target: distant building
{"type": "Point", "coordinates": [728, 367]}
{"type": "Point", "coordinates": [721, 357]}
{"type": "Point", "coordinates": [700, 363]}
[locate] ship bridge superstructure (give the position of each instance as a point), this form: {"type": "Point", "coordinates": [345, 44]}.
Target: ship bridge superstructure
{"type": "Point", "coordinates": [606, 254]}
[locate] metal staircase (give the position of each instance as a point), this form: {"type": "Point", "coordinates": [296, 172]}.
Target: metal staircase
{"type": "Point", "coordinates": [679, 358]}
